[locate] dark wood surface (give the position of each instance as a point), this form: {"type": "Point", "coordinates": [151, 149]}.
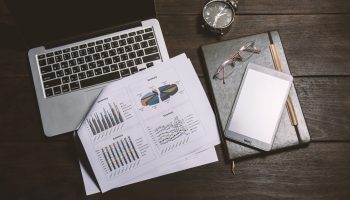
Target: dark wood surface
{"type": "Point", "coordinates": [316, 38]}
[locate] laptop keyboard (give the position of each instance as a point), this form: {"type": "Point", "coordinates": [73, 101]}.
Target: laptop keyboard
{"type": "Point", "coordinates": [89, 64]}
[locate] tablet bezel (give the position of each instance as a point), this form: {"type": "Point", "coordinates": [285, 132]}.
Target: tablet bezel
{"type": "Point", "coordinates": [243, 138]}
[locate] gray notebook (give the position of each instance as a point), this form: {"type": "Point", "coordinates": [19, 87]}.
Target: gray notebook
{"type": "Point", "coordinates": [223, 95]}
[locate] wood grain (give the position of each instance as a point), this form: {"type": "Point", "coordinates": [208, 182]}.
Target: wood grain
{"type": "Point", "coordinates": [44, 170]}
{"type": "Point", "coordinates": [180, 7]}
{"type": "Point", "coordinates": [325, 102]}
{"type": "Point", "coordinates": [316, 39]}
{"type": "Point", "coordinates": [314, 44]}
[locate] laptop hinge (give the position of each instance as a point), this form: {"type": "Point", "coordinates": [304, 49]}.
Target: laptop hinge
{"type": "Point", "coordinates": [92, 34]}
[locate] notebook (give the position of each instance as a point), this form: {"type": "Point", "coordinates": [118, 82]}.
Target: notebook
{"type": "Point", "coordinates": [223, 95]}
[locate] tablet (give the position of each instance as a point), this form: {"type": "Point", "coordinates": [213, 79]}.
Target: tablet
{"type": "Point", "coordinates": [258, 107]}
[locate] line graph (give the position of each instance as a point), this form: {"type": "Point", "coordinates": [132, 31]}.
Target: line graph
{"type": "Point", "coordinates": [171, 131]}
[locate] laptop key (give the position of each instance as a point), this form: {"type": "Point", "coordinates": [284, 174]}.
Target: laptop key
{"type": "Point", "coordinates": [82, 52]}
{"type": "Point", "coordinates": [108, 61]}
{"type": "Point", "coordinates": [114, 67]}
{"type": "Point", "coordinates": [96, 56]}
{"type": "Point", "coordinates": [59, 73]}
{"type": "Point", "coordinates": [52, 83]}
{"type": "Point", "coordinates": [80, 60]}
{"type": "Point", "coordinates": [144, 44]}
{"type": "Point", "coordinates": [148, 65]}
{"type": "Point", "coordinates": [65, 79]}
{"type": "Point", "coordinates": [122, 42]}
{"type": "Point", "coordinates": [72, 63]}
{"type": "Point", "coordinates": [98, 71]}
{"type": "Point", "coordinates": [81, 75]}
{"type": "Point", "coordinates": [120, 50]}
{"type": "Point", "coordinates": [115, 38]}
{"type": "Point", "coordinates": [88, 58]}
{"type": "Point", "coordinates": [91, 50]}
{"type": "Point", "coordinates": [99, 42]}
{"type": "Point", "coordinates": [56, 66]}
{"type": "Point", "coordinates": [82, 46]}
{"type": "Point", "coordinates": [130, 63]}
{"type": "Point", "coordinates": [48, 92]}
{"type": "Point", "coordinates": [124, 36]}
{"type": "Point", "coordinates": [140, 53]}
{"type": "Point", "coordinates": [90, 73]}
{"type": "Point", "coordinates": [148, 30]}
{"type": "Point", "coordinates": [76, 69]}
{"type": "Point", "coordinates": [125, 72]}
{"type": "Point", "coordinates": [122, 65]}
{"type": "Point", "coordinates": [75, 54]}
{"type": "Point", "coordinates": [65, 88]}
{"type": "Point", "coordinates": [115, 44]}
{"type": "Point", "coordinates": [128, 48]}
{"type": "Point", "coordinates": [138, 61]}
{"type": "Point", "coordinates": [66, 50]}
{"type": "Point", "coordinates": [49, 54]}
{"type": "Point", "coordinates": [46, 69]}
{"type": "Point", "coordinates": [124, 57]}
{"type": "Point", "coordinates": [138, 38]}
{"type": "Point", "coordinates": [84, 67]}
{"type": "Point", "coordinates": [57, 90]}
{"type": "Point", "coordinates": [140, 32]}
{"type": "Point", "coordinates": [74, 48]}
{"type": "Point", "coordinates": [41, 56]}
{"type": "Point", "coordinates": [136, 46]}
{"type": "Point", "coordinates": [151, 58]}
{"type": "Point", "coordinates": [106, 46]}
{"type": "Point", "coordinates": [152, 42]}
{"type": "Point", "coordinates": [116, 59]}
{"type": "Point", "coordinates": [58, 52]}
{"type": "Point", "coordinates": [90, 44]}
{"type": "Point", "coordinates": [64, 65]}
{"type": "Point", "coordinates": [68, 71]}
{"type": "Point", "coordinates": [66, 56]}
{"type": "Point", "coordinates": [48, 76]}
{"type": "Point", "coordinates": [134, 70]}
{"type": "Point", "coordinates": [99, 79]}
{"type": "Point", "coordinates": [107, 40]}
{"type": "Point", "coordinates": [100, 63]}
{"type": "Point", "coordinates": [58, 58]}
{"type": "Point", "coordinates": [132, 55]}
{"type": "Point", "coordinates": [112, 52]}
{"type": "Point", "coordinates": [130, 40]}
{"type": "Point", "coordinates": [151, 50]}
{"type": "Point", "coordinates": [106, 69]}
{"type": "Point", "coordinates": [104, 54]}
{"type": "Point", "coordinates": [99, 48]}
{"type": "Point", "coordinates": [50, 60]}
{"type": "Point", "coordinates": [92, 65]}
{"type": "Point", "coordinates": [147, 36]}
{"type": "Point", "coordinates": [73, 77]}
{"type": "Point", "coordinates": [132, 34]}
{"type": "Point", "coordinates": [74, 86]}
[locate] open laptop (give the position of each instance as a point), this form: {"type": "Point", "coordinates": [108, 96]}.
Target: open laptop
{"type": "Point", "coordinates": [77, 47]}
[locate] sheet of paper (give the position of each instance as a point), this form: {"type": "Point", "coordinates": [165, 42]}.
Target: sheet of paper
{"type": "Point", "coordinates": [198, 159]}
{"type": "Point", "coordinates": [145, 121]}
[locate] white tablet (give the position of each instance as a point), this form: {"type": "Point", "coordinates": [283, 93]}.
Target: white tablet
{"type": "Point", "coordinates": [258, 107]}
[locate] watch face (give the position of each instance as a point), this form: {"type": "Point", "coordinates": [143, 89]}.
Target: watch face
{"type": "Point", "coordinates": [218, 14]}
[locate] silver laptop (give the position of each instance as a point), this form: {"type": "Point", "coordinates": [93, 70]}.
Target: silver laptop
{"type": "Point", "coordinates": [77, 47]}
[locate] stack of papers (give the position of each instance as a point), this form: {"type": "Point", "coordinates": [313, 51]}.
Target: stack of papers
{"type": "Point", "coordinates": [156, 122]}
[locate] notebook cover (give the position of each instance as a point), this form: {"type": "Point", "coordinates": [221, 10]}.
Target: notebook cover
{"type": "Point", "coordinates": [223, 95]}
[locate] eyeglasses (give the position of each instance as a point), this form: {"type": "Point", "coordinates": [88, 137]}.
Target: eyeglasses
{"type": "Point", "coordinates": [243, 54]}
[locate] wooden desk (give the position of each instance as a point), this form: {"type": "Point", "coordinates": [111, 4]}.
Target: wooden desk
{"type": "Point", "coordinates": [316, 37]}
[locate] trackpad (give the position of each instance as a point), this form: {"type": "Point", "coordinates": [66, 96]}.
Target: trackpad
{"type": "Point", "coordinates": [91, 95]}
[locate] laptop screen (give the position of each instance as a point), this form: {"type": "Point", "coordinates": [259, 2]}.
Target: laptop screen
{"type": "Point", "coordinates": [44, 21]}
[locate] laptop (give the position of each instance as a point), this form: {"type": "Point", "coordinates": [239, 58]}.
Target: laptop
{"type": "Point", "coordinates": [77, 47]}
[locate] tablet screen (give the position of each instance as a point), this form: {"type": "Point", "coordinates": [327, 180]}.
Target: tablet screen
{"type": "Point", "coordinates": [259, 105]}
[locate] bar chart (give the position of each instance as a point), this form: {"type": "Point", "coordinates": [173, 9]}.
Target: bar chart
{"type": "Point", "coordinates": [106, 118]}
{"type": "Point", "coordinates": [119, 154]}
